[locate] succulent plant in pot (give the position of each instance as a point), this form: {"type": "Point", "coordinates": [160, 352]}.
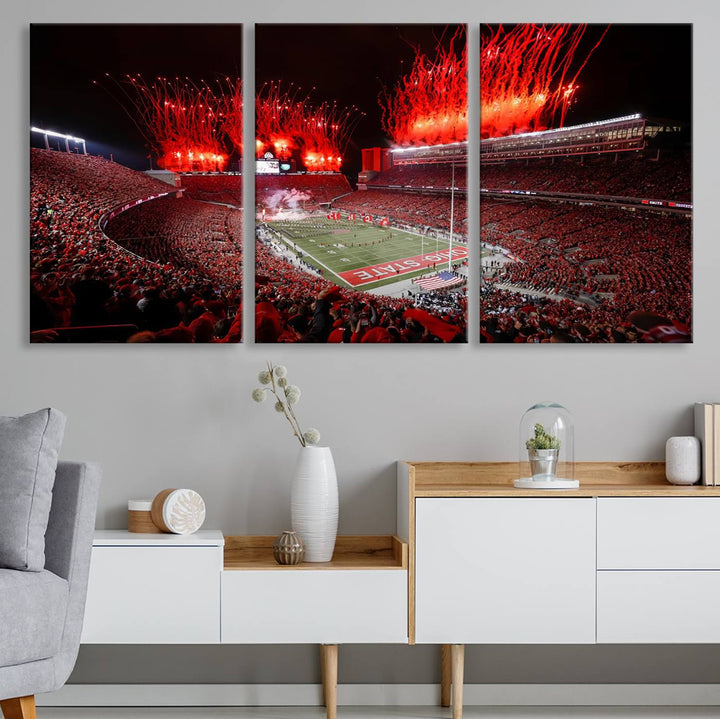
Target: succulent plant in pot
{"type": "Point", "coordinates": [543, 450]}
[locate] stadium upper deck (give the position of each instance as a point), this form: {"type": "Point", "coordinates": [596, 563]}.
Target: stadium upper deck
{"type": "Point", "coordinates": [427, 154]}
{"type": "Point", "coordinates": [621, 134]}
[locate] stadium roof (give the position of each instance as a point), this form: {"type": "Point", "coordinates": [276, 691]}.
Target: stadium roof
{"type": "Point", "coordinates": [619, 134]}
{"type": "Point", "coordinates": [426, 154]}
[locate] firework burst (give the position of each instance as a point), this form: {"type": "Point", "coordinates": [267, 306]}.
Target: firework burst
{"type": "Point", "coordinates": [528, 76]}
{"type": "Point", "coordinates": [181, 121]}
{"type": "Point", "coordinates": [288, 122]}
{"type": "Point", "coordinates": [428, 105]}
{"type": "Point", "coordinates": [230, 100]}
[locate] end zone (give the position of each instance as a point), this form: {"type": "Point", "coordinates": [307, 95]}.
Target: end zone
{"type": "Point", "coordinates": [398, 268]}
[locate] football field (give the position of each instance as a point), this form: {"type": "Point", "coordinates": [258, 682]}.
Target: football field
{"type": "Point", "coordinates": [363, 255]}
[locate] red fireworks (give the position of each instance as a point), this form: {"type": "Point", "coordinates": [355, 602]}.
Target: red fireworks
{"type": "Point", "coordinates": [428, 106]}
{"type": "Point", "coordinates": [287, 122]}
{"type": "Point", "coordinates": [528, 76]}
{"type": "Point", "coordinates": [231, 101]}
{"type": "Point", "coordinates": [183, 122]}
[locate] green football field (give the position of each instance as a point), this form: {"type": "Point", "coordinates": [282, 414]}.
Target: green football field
{"type": "Point", "coordinates": [358, 254]}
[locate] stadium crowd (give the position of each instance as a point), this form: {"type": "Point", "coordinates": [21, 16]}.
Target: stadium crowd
{"type": "Point", "coordinates": [599, 265]}
{"type": "Point", "coordinates": [183, 232]}
{"type": "Point", "coordinates": [223, 189]}
{"type": "Point", "coordinates": [82, 279]}
{"type": "Point", "coordinates": [432, 176]}
{"type": "Point", "coordinates": [419, 209]}
{"type": "Point", "coordinates": [668, 177]}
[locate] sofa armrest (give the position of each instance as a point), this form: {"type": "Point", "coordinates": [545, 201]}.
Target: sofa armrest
{"type": "Point", "coordinates": [68, 545]}
{"type": "Point", "coordinates": [68, 539]}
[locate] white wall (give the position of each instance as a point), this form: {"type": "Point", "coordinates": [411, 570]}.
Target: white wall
{"type": "Point", "coordinates": [159, 416]}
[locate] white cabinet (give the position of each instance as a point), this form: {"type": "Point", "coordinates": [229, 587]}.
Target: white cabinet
{"type": "Point", "coordinates": [154, 589]}
{"type": "Point", "coordinates": [658, 607]}
{"type": "Point", "coordinates": [286, 606]}
{"type": "Point", "coordinates": [658, 532]}
{"type": "Point", "coordinates": [658, 570]}
{"type": "Point", "coordinates": [505, 570]}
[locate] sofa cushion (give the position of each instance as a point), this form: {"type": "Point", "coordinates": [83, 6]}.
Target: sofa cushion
{"type": "Point", "coordinates": [29, 447]}
{"type": "Point", "coordinates": [32, 615]}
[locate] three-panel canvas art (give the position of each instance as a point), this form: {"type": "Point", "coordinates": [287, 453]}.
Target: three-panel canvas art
{"type": "Point", "coordinates": [361, 149]}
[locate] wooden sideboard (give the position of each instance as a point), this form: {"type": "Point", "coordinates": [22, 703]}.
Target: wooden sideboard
{"type": "Point", "coordinates": [209, 589]}
{"type": "Point", "coordinates": [622, 559]}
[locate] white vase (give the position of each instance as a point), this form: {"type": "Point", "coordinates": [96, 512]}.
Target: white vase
{"type": "Point", "coordinates": [682, 460]}
{"type": "Point", "coordinates": [314, 503]}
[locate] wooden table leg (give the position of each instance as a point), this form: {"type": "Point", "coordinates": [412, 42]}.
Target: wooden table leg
{"type": "Point", "coordinates": [458, 669]}
{"type": "Point", "coordinates": [322, 673]}
{"type": "Point", "coordinates": [20, 708]}
{"type": "Point", "coordinates": [329, 662]}
{"type": "Point", "coordinates": [446, 675]}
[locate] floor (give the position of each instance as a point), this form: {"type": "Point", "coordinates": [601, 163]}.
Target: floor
{"type": "Point", "coordinates": [385, 713]}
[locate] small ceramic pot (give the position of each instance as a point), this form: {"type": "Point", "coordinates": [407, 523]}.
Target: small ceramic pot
{"type": "Point", "coordinates": [288, 548]}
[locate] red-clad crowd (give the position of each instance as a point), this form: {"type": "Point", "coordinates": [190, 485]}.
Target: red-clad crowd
{"type": "Point", "coordinates": [420, 209]}
{"type": "Point", "coordinates": [223, 189]}
{"type": "Point", "coordinates": [666, 177]}
{"type": "Point", "coordinates": [608, 266]}
{"type": "Point", "coordinates": [435, 176]}
{"type": "Point", "coordinates": [185, 233]}
{"type": "Point", "coordinates": [87, 287]}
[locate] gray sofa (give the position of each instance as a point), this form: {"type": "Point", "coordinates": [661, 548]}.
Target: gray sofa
{"type": "Point", "coordinates": [41, 613]}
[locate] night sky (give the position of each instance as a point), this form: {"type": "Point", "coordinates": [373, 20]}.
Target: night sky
{"type": "Point", "coordinates": [351, 64]}
{"type": "Point", "coordinates": [636, 68]}
{"type": "Point", "coordinates": [65, 59]}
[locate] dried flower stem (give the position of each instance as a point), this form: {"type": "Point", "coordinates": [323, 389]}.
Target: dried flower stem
{"type": "Point", "coordinates": [286, 407]}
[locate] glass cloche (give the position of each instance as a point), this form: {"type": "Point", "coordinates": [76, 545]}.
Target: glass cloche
{"type": "Point", "coordinates": [547, 448]}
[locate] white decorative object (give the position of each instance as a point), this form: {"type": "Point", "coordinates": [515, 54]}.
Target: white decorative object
{"type": "Point", "coordinates": [314, 502]}
{"type": "Point", "coordinates": [682, 460]}
{"type": "Point", "coordinates": [546, 483]}
{"type": "Point", "coordinates": [180, 511]}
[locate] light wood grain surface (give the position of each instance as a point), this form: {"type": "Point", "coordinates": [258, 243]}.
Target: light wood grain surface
{"type": "Point", "coordinates": [597, 479]}
{"type": "Point", "coordinates": [351, 552]}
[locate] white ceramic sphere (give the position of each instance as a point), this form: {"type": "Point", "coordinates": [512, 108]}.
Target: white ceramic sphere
{"type": "Point", "coordinates": [682, 460]}
{"type": "Point", "coordinates": [183, 511]}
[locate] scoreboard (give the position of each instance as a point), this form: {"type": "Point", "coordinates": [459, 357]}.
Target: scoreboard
{"type": "Point", "coordinates": [267, 166]}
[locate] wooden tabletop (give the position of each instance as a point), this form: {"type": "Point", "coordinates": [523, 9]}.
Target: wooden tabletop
{"type": "Point", "coordinates": [597, 479]}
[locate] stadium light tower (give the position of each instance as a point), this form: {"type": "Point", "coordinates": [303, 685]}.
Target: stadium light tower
{"type": "Point", "coordinates": [67, 138]}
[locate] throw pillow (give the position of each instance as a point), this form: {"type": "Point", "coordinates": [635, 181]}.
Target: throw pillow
{"type": "Point", "coordinates": [29, 447]}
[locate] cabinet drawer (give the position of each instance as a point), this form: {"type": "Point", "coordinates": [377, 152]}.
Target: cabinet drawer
{"type": "Point", "coordinates": [496, 571]}
{"type": "Point", "coordinates": [658, 607]}
{"type": "Point", "coordinates": [291, 606]}
{"type": "Point", "coordinates": [658, 532]}
{"type": "Point", "coordinates": [153, 595]}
